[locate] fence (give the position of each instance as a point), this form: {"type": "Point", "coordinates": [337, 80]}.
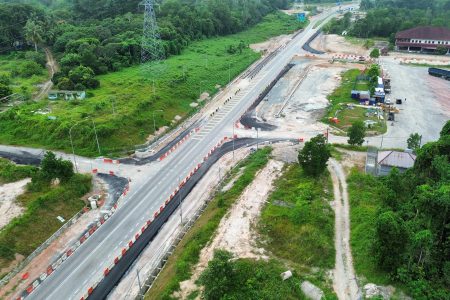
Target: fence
{"type": "Point", "coordinates": [39, 250]}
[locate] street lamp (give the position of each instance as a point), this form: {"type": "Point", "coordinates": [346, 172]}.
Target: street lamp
{"type": "Point", "coordinates": [154, 122]}
{"type": "Point", "coordinates": [71, 141]}
{"type": "Point", "coordinates": [96, 137]}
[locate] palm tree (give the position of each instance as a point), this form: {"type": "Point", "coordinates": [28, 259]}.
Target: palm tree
{"type": "Point", "coordinates": [33, 32]}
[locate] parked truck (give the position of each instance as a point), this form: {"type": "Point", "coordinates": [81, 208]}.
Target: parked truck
{"type": "Point", "coordinates": [439, 73]}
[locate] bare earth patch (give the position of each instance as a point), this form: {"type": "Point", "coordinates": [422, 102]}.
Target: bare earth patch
{"type": "Point", "coordinates": [235, 232]}
{"type": "Point", "coordinates": [337, 44]}
{"type": "Point", "coordinates": [8, 194]}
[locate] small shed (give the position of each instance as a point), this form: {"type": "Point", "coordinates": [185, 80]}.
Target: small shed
{"type": "Point", "coordinates": [387, 160]}
{"type": "Point", "coordinates": [67, 95]}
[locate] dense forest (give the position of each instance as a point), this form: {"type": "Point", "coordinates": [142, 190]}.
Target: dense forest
{"type": "Point", "coordinates": [386, 17]}
{"type": "Point", "coordinates": [94, 37]}
{"type": "Point", "coordinates": [412, 234]}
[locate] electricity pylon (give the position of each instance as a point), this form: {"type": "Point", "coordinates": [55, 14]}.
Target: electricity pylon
{"type": "Point", "coordinates": [151, 46]}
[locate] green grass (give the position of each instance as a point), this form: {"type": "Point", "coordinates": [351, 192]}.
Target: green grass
{"type": "Point", "coordinates": [351, 147]}
{"type": "Point", "coordinates": [205, 64]}
{"type": "Point", "coordinates": [10, 64]}
{"type": "Point", "coordinates": [364, 192]}
{"type": "Point", "coordinates": [10, 172]}
{"type": "Point", "coordinates": [297, 224]}
{"type": "Point", "coordinates": [27, 232]}
{"type": "Point", "coordinates": [186, 255]}
{"type": "Point", "coordinates": [427, 65]}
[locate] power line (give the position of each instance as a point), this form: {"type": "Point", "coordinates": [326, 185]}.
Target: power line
{"type": "Point", "coordinates": [152, 48]}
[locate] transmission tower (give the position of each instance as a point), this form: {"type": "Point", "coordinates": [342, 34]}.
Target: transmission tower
{"type": "Point", "coordinates": [151, 47]}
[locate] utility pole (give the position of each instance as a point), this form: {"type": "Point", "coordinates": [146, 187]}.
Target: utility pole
{"type": "Point", "coordinates": [140, 285]}
{"type": "Point", "coordinates": [154, 122]}
{"type": "Point", "coordinates": [179, 199]}
{"type": "Point", "coordinates": [257, 138]}
{"type": "Point", "coordinates": [73, 149]}
{"type": "Point", "coordinates": [229, 72]}
{"type": "Point", "coordinates": [381, 146]}
{"type": "Point", "coordinates": [233, 141]}
{"type": "Point", "coordinates": [96, 138]}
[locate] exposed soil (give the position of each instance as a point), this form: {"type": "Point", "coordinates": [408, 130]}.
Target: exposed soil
{"type": "Point", "coordinates": [235, 232]}
{"type": "Point", "coordinates": [271, 44]}
{"type": "Point", "coordinates": [333, 43]}
{"type": "Point", "coordinates": [9, 209]}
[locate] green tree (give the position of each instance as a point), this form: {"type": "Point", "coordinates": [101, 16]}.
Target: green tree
{"type": "Point", "coordinates": [53, 167]}
{"type": "Point", "coordinates": [314, 156]}
{"type": "Point", "coordinates": [441, 50]}
{"type": "Point", "coordinates": [219, 278]}
{"type": "Point", "coordinates": [391, 240]}
{"type": "Point", "coordinates": [375, 53]}
{"type": "Point", "coordinates": [34, 32]}
{"type": "Point", "coordinates": [414, 141]}
{"type": "Point", "coordinates": [356, 133]}
{"type": "Point", "coordinates": [4, 90]}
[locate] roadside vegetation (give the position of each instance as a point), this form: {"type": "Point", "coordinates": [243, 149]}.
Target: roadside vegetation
{"type": "Point", "coordinates": [346, 109]}
{"type": "Point", "coordinates": [124, 103]}
{"type": "Point", "coordinates": [179, 265]}
{"type": "Point", "coordinates": [400, 224]}
{"type": "Point", "coordinates": [54, 191]}
{"type": "Point", "coordinates": [10, 172]}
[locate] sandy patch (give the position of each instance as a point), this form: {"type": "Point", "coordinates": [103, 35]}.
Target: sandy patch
{"type": "Point", "coordinates": [8, 207]}
{"type": "Point", "coordinates": [271, 44]}
{"type": "Point", "coordinates": [235, 232]}
{"type": "Point", "coordinates": [337, 44]}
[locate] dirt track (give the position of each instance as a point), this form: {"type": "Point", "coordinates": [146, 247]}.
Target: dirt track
{"type": "Point", "coordinates": [344, 279]}
{"type": "Point", "coordinates": [52, 67]}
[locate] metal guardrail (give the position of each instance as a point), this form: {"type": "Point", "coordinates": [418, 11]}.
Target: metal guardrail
{"type": "Point", "coordinates": [39, 250]}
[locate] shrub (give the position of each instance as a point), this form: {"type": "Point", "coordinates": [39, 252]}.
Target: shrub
{"type": "Point", "coordinates": [37, 57]}
{"type": "Point", "coordinates": [4, 90]}
{"type": "Point", "coordinates": [29, 69]}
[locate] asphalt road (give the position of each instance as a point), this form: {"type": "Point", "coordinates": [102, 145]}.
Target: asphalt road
{"type": "Point", "coordinates": [73, 278]}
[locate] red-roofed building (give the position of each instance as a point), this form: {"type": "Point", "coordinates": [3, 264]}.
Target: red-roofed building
{"type": "Point", "coordinates": [425, 39]}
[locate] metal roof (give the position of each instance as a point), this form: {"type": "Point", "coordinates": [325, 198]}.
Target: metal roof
{"type": "Point", "coordinates": [396, 159]}
{"type": "Point", "coordinates": [425, 32]}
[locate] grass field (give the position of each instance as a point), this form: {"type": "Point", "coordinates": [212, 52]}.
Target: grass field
{"type": "Point", "coordinates": [364, 192]}
{"type": "Point", "coordinates": [297, 225]}
{"type": "Point", "coordinates": [186, 255]}
{"type": "Point", "coordinates": [339, 99]}
{"type": "Point", "coordinates": [27, 232]}
{"type": "Point", "coordinates": [178, 82]}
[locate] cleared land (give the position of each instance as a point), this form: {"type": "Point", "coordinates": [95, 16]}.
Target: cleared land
{"type": "Point", "coordinates": [203, 66]}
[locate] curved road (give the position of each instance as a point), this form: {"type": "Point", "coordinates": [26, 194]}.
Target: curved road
{"type": "Point", "coordinates": [73, 278]}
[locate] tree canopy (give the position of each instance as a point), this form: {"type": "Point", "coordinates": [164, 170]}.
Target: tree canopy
{"type": "Point", "coordinates": [314, 156]}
